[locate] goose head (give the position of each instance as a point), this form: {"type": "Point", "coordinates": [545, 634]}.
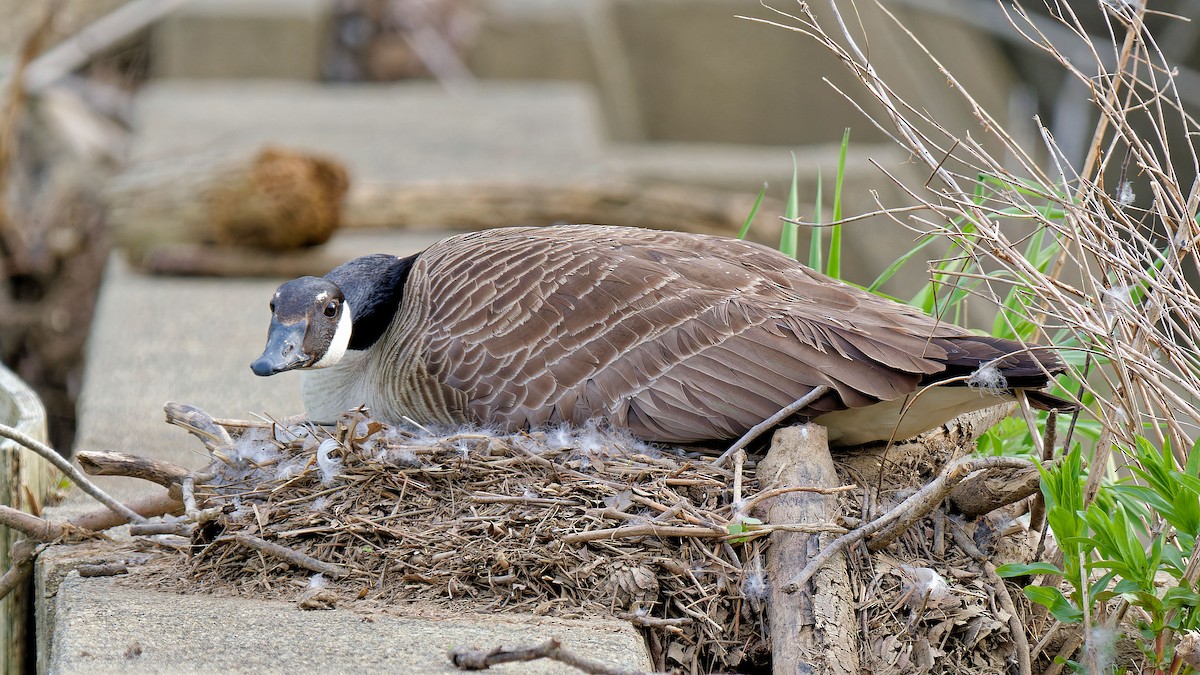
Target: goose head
{"type": "Point", "coordinates": [311, 326]}
{"type": "Point", "coordinates": [315, 320]}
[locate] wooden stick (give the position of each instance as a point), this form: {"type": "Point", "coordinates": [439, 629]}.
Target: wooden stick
{"type": "Point", "coordinates": [289, 556]}
{"type": "Point", "coordinates": [764, 426]}
{"type": "Point", "coordinates": [989, 490]}
{"type": "Point", "coordinates": [101, 463]}
{"type": "Point", "coordinates": [150, 529]}
{"type": "Point", "coordinates": [38, 529]}
{"type": "Point", "coordinates": [811, 631]}
{"type": "Point", "coordinates": [95, 521]}
{"type": "Point", "coordinates": [160, 504]}
{"type": "Point", "coordinates": [90, 488]}
{"type": "Point", "coordinates": [465, 658]}
{"type": "Point", "coordinates": [751, 502]}
{"type": "Point", "coordinates": [199, 424]}
{"type": "Point", "coordinates": [642, 530]}
{"type": "Point", "coordinates": [74, 52]}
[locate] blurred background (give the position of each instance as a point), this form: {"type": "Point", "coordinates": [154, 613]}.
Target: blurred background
{"type": "Point", "coordinates": [183, 133]}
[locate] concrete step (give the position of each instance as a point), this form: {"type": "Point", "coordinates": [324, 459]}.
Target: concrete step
{"type": "Point", "coordinates": [665, 70]}
{"type": "Point", "coordinates": [243, 39]}
{"type": "Point", "coordinates": [391, 134]}
{"type": "Point", "coordinates": [108, 625]}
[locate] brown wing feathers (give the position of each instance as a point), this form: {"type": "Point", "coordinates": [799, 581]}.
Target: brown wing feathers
{"type": "Point", "coordinates": [680, 337]}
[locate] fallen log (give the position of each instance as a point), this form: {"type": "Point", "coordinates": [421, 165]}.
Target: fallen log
{"type": "Point", "coordinates": [267, 198]}
{"type": "Point", "coordinates": [814, 629]}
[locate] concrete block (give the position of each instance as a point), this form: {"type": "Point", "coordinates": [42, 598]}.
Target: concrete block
{"type": "Point", "coordinates": [243, 39]}
{"type": "Point", "coordinates": [111, 625]}
{"type": "Point", "coordinates": [519, 39]}
{"type": "Point", "coordinates": [391, 133]}
{"type": "Point", "coordinates": [704, 75]}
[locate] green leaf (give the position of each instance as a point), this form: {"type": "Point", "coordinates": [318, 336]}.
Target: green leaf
{"type": "Point", "coordinates": [1017, 570]}
{"type": "Point", "coordinates": [1053, 600]}
{"type": "Point", "coordinates": [1180, 597]}
{"type": "Point", "coordinates": [753, 212]}
{"type": "Point", "coordinates": [835, 236]}
{"type": "Point", "coordinates": [816, 235]}
{"type": "Point", "coordinates": [742, 526]}
{"type": "Point", "coordinates": [788, 239]}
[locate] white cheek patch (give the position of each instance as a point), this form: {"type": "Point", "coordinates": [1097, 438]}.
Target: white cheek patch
{"type": "Point", "coordinates": [340, 341]}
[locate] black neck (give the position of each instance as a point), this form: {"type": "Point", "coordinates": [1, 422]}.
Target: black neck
{"type": "Point", "coordinates": [373, 286]}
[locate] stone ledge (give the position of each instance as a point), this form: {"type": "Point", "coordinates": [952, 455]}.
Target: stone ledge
{"type": "Point", "coordinates": [104, 625]}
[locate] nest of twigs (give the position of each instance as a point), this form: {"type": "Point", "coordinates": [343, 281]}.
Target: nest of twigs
{"type": "Point", "coordinates": [568, 523]}
{"type": "Point", "coordinates": [575, 523]}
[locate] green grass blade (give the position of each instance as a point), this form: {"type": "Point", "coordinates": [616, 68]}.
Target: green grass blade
{"type": "Point", "coordinates": [834, 269]}
{"type": "Point", "coordinates": [753, 212]}
{"type": "Point", "coordinates": [899, 263]}
{"type": "Point", "coordinates": [788, 239]}
{"type": "Point", "coordinates": [816, 236]}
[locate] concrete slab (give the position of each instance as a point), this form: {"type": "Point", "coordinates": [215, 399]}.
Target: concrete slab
{"type": "Point", "coordinates": [107, 626]}
{"type": "Point", "coordinates": [243, 38]}
{"type": "Point", "coordinates": [384, 133]}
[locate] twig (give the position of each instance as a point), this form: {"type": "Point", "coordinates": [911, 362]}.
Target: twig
{"type": "Point", "coordinates": [100, 463]}
{"type": "Point", "coordinates": [90, 488]}
{"type": "Point", "coordinates": [160, 504]}
{"type": "Point", "coordinates": [194, 512]}
{"type": "Point", "coordinates": [642, 530]}
{"type": "Point", "coordinates": [288, 555]}
{"type": "Point", "coordinates": [908, 511]}
{"type": "Point", "coordinates": [654, 621]}
{"type": "Point", "coordinates": [113, 28]}
{"type": "Point", "coordinates": [1016, 629]}
{"type": "Point", "coordinates": [533, 501]}
{"type": "Point", "coordinates": [739, 463]}
{"type": "Point", "coordinates": [95, 521]}
{"type": "Point", "coordinates": [764, 426]}
{"type": "Point", "coordinates": [775, 492]}
{"type": "Point", "coordinates": [150, 529]}
{"type": "Point", "coordinates": [109, 569]}
{"type": "Point", "coordinates": [481, 659]}
{"type": "Point", "coordinates": [21, 557]}
{"type": "Point", "coordinates": [30, 525]}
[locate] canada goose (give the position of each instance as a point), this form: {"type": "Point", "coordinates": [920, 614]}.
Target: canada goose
{"type": "Point", "coordinates": [679, 338]}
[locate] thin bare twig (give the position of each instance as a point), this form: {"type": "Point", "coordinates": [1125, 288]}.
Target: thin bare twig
{"type": "Point", "coordinates": [465, 658]}
{"type": "Point", "coordinates": [1016, 629]}
{"type": "Point", "coordinates": [90, 488]}
{"type": "Point", "coordinates": [772, 421]}
{"type": "Point", "coordinates": [908, 511]}
{"type": "Point", "coordinates": [288, 555]}
{"type": "Point", "coordinates": [642, 530]}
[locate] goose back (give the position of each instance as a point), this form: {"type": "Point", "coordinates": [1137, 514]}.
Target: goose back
{"type": "Point", "coordinates": [677, 337]}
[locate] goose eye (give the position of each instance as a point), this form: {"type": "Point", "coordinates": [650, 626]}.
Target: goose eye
{"type": "Point", "coordinates": [331, 309]}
